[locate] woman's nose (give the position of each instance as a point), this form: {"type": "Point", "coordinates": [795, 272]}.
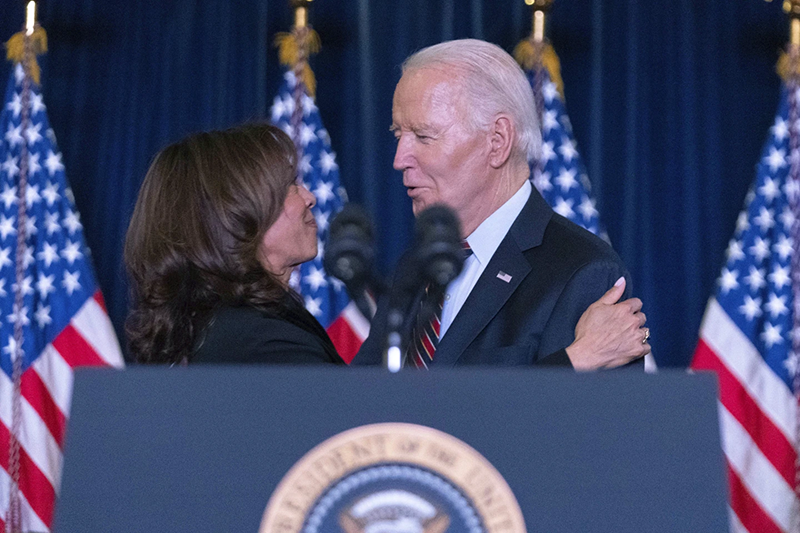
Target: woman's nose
{"type": "Point", "coordinates": [309, 197]}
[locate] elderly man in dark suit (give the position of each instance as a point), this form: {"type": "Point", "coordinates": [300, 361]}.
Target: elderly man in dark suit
{"type": "Point", "coordinates": [466, 128]}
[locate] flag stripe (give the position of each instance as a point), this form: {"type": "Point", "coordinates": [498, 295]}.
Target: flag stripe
{"type": "Point", "coordinates": [733, 518]}
{"type": "Point", "coordinates": [37, 395]}
{"type": "Point", "coordinates": [749, 513]}
{"type": "Point", "coordinates": [98, 297]}
{"type": "Point", "coordinates": [766, 486]}
{"type": "Point", "coordinates": [769, 439]}
{"type": "Point", "coordinates": [94, 326]}
{"type": "Point", "coordinates": [57, 376]}
{"type": "Point", "coordinates": [347, 339]}
{"type": "Point", "coordinates": [745, 363]}
{"type": "Point", "coordinates": [359, 325]}
{"type": "Point", "coordinates": [33, 483]}
{"type": "Point", "coordinates": [34, 437]}
{"type": "Point", "coordinates": [75, 350]}
{"type": "Point", "coordinates": [30, 520]}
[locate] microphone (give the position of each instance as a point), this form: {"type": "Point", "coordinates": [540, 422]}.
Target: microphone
{"type": "Point", "coordinates": [437, 257]}
{"type": "Point", "coordinates": [438, 248]}
{"type": "Point", "coordinates": [350, 253]}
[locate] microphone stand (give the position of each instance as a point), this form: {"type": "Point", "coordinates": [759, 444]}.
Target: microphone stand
{"type": "Point", "coordinates": [398, 326]}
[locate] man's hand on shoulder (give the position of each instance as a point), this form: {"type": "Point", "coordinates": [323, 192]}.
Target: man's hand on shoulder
{"type": "Point", "coordinates": [610, 333]}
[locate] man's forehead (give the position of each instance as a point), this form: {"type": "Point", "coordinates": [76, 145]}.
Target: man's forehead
{"type": "Point", "coordinates": [433, 76]}
{"type": "Point", "coordinates": [427, 87]}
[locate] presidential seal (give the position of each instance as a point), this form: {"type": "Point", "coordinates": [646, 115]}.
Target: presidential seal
{"type": "Point", "coordinates": [393, 478]}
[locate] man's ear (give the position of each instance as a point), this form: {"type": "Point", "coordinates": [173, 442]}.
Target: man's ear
{"type": "Point", "coordinates": [502, 141]}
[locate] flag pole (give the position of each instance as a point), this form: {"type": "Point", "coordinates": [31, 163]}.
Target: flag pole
{"type": "Point", "coordinates": [294, 50]}
{"type": "Point", "coordinates": [789, 63]}
{"type": "Point", "coordinates": [535, 52]}
{"type": "Point", "coordinates": [540, 10]}
{"type": "Point", "coordinates": [30, 18]}
{"type": "Point", "coordinates": [300, 12]}
{"type": "Point", "coordinates": [33, 38]}
{"type": "Point", "coordinates": [792, 8]}
{"type": "Point", "coordinates": [31, 145]}
{"type": "Point", "coordinates": [296, 113]}
{"type": "Point", "coordinates": [14, 518]}
{"type": "Point", "coordinates": [22, 49]}
{"type": "Point", "coordinates": [26, 58]}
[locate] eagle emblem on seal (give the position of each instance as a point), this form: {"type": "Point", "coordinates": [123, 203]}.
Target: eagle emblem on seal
{"type": "Point", "coordinates": [393, 511]}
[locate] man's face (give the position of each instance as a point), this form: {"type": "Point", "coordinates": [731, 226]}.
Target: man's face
{"type": "Point", "coordinates": [443, 159]}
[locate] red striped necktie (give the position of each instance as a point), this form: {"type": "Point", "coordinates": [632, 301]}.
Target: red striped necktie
{"type": "Point", "coordinates": [425, 334]}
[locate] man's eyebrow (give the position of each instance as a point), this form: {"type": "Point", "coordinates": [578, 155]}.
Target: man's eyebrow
{"type": "Point", "coordinates": [424, 128]}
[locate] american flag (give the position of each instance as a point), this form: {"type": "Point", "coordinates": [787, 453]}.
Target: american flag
{"type": "Point", "coordinates": [63, 316]}
{"type": "Point", "coordinates": [560, 175]}
{"type": "Point", "coordinates": [325, 296]}
{"type": "Point", "coordinates": [747, 337]}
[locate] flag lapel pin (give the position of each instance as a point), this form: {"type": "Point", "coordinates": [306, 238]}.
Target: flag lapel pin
{"type": "Point", "coordinates": [503, 276]}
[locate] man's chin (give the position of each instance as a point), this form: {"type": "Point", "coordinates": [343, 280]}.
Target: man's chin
{"type": "Point", "coordinates": [418, 205]}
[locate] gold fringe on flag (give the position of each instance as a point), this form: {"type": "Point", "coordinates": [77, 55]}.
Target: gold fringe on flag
{"type": "Point", "coordinates": [15, 50]}
{"type": "Point", "coordinates": [529, 54]}
{"type": "Point", "coordinates": [289, 53]}
{"type": "Point", "coordinates": [788, 67]}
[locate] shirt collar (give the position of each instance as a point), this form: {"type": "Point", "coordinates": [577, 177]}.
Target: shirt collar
{"type": "Point", "coordinates": [486, 237]}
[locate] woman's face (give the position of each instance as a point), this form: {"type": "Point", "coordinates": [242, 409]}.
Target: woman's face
{"type": "Point", "coordinates": [292, 239]}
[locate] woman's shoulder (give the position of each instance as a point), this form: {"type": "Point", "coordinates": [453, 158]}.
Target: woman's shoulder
{"type": "Point", "coordinates": [245, 334]}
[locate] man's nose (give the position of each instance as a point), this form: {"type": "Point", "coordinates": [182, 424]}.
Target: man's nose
{"type": "Point", "coordinates": [402, 154]}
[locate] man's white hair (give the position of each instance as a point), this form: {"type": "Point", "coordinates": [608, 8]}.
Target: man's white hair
{"type": "Point", "coordinates": [494, 84]}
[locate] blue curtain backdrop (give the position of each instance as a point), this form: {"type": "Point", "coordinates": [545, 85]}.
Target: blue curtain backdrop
{"type": "Point", "coordinates": [670, 103]}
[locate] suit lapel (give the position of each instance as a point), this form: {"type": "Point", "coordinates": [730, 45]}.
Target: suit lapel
{"type": "Point", "coordinates": [483, 303]}
{"type": "Point", "coordinates": [494, 287]}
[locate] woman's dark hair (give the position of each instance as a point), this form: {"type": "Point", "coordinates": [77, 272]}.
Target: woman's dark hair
{"type": "Point", "coordinates": [193, 240]}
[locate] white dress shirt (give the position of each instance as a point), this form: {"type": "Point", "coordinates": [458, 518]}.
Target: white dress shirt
{"type": "Point", "coordinates": [484, 242]}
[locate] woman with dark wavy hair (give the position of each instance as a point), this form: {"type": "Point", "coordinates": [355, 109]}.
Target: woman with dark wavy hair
{"type": "Point", "coordinates": [219, 225]}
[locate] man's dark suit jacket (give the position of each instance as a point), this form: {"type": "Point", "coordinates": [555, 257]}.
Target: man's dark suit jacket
{"type": "Point", "coordinates": [556, 268]}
